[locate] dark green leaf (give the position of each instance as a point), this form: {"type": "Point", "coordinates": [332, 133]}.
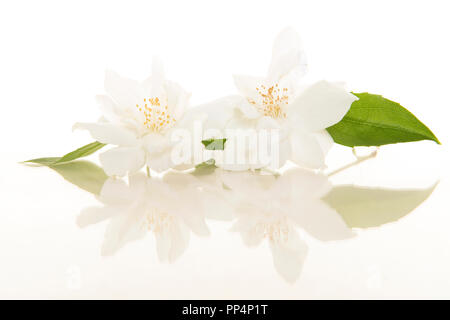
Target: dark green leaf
{"type": "Point", "coordinates": [374, 121]}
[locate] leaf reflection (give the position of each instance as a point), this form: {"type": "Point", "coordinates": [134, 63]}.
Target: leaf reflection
{"type": "Point", "coordinates": [363, 207]}
{"type": "Point", "coordinates": [280, 210]}
{"type": "Point", "coordinates": [84, 174]}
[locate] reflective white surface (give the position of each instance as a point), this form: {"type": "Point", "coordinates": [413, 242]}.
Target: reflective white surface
{"type": "Point", "coordinates": [45, 253]}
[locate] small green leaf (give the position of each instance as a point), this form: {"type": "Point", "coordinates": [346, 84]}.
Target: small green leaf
{"type": "Point", "coordinates": [84, 174]}
{"type": "Point", "coordinates": [363, 207]}
{"type": "Point", "coordinates": [82, 152]}
{"type": "Point", "coordinates": [79, 153]}
{"type": "Point", "coordinates": [43, 161]}
{"type": "Point", "coordinates": [214, 144]}
{"type": "Point", "coordinates": [206, 167]}
{"type": "Point", "coordinates": [374, 121]}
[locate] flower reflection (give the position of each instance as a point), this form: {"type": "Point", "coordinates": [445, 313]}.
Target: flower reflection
{"type": "Point", "coordinates": [284, 210]}
{"type": "Point", "coordinates": [166, 207]}
{"type": "Point", "coordinates": [270, 207]}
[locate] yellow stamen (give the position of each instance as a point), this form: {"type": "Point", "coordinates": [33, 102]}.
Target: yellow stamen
{"type": "Point", "coordinates": [273, 101]}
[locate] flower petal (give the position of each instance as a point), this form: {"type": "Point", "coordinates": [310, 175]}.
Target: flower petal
{"type": "Point", "coordinates": [248, 109]}
{"type": "Point", "coordinates": [320, 106]}
{"type": "Point", "coordinates": [267, 123]}
{"type": "Point", "coordinates": [171, 242]}
{"type": "Point", "coordinates": [179, 241]}
{"type": "Point", "coordinates": [156, 143]}
{"type": "Point", "coordinates": [122, 160]}
{"type": "Point", "coordinates": [137, 184]}
{"type": "Point", "coordinates": [216, 113]}
{"type": "Point", "coordinates": [93, 215]}
{"type": "Point", "coordinates": [116, 192]}
{"type": "Point", "coordinates": [306, 150]}
{"type": "Point", "coordinates": [284, 65]}
{"type": "Point", "coordinates": [245, 183]}
{"type": "Point", "coordinates": [287, 55]}
{"type": "Point", "coordinates": [239, 154]}
{"type": "Point", "coordinates": [125, 92]}
{"type": "Point", "coordinates": [246, 225]}
{"type": "Point", "coordinates": [163, 242]}
{"type": "Point", "coordinates": [284, 154]}
{"type": "Point", "coordinates": [109, 133]}
{"type": "Point", "coordinates": [160, 161]}
{"type": "Point", "coordinates": [321, 221]}
{"type": "Point", "coordinates": [305, 184]}
{"type": "Point", "coordinates": [109, 108]}
{"type": "Point", "coordinates": [289, 258]}
{"type": "Point", "coordinates": [247, 85]}
{"type": "Point", "coordinates": [122, 229]}
{"type": "Point", "coordinates": [278, 148]}
{"type": "Point", "coordinates": [157, 77]}
{"type": "Point", "coordinates": [286, 40]}
{"type": "Point", "coordinates": [325, 140]}
{"type": "Point", "coordinates": [177, 99]}
{"type": "Point", "coordinates": [196, 223]}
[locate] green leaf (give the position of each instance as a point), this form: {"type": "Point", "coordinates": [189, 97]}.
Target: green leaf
{"type": "Point", "coordinates": [363, 207]}
{"type": "Point", "coordinates": [82, 152]}
{"type": "Point", "coordinates": [206, 167]}
{"type": "Point", "coordinates": [214, 144]}
{"type": "Point", "coordinates": [43, 161]}
{"type": "Point", "coordinates": [78, 153]}
{"type": "Point", "coordinates": [84, 174]}
{"type": "Point", "coordinates": [374, 121]}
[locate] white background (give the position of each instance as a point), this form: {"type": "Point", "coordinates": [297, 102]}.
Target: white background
{"type": "Point", "coordinates": [53, 55]}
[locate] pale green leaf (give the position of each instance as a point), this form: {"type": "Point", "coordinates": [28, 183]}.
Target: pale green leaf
{"type": "Point", "coordinates": [206, 167]}
{"type": "Point", "coordinates": [84, 174]}
{"type": "Point", "coordinates": [82, 152]}
{"type": "Point", "coordinates": [78, 153]}
{"type": "Point", "coordinates": [363, 207]}
{"type": "Point", "coordinates": [214, 144]}
{"type": "Point", "coordinates": [43, 161]}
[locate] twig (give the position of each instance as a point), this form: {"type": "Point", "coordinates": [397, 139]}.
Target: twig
{"type": "Point", "coordinates": [358, 160]}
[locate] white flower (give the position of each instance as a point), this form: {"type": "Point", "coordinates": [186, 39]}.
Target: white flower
{"type": "Point", "coordinates": [270, 207]}
{"type": "Point", "coordinates": [277, 102]}
{"type": "Point", "coordinates": [168, 207]}
{"type": "Point", "coordinates": [138, 118]}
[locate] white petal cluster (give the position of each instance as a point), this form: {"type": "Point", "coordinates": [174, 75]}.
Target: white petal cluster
{"type": "Point", "coordinates": [301, 113]}
{"type": "Point", "coordinates": [140, 118]}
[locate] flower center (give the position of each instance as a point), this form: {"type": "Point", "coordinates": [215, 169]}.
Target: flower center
{"type": "Point", "coordinates": [156, 221]}
{"type": "Point", "coordinates": [276, 232]}
{"type": "Point", "coordinates": [156, 115]}
{"type": "Point", "coordinates": [273, 101]}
